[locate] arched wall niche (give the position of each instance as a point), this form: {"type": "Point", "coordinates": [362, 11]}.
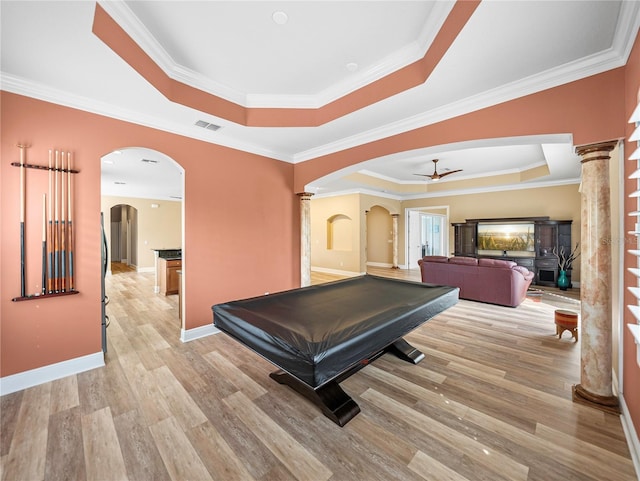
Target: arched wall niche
{"type": "Point", "coordinates": [339, 233]}
{"type": "Point", "coordinates": [379, 238]}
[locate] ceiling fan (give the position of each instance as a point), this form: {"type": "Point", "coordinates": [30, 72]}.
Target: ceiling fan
{"type": "Point", "coordinates": [435, 176]}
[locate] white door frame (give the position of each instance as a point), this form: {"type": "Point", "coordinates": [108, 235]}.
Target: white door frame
{"type": "Point", "coordinates": [413, 263]}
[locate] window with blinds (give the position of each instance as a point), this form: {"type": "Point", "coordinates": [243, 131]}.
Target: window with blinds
{"type": "Point", "coordinates": [635, 156]}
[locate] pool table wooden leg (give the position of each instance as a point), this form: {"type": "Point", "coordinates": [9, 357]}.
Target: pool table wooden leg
{"type": "Point", "coordinates": [406, 351]}
{"type": "Point", "coordinates": [336, 404]}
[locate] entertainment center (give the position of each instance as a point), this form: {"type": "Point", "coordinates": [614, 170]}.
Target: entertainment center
{"type": "Point", "coordinates": [528, 241]}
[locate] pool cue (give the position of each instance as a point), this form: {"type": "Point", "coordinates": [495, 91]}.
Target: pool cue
{"type": "Point", "coordinates": [63, 227]}
{"type": "Point", "coordinates": [69, 224]}
{"type": "Point", "coordinates": [23, 281]}
{"type": "Point", "coordinates": [50, 228]}
{"type": "Point", "coordinates": [56, 231]}
{"type": "Point", "coordinates": [44, 243]}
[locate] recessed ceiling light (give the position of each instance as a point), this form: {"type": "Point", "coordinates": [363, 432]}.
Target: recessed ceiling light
{"type": "Point", "coordinates": [117, 152]}
{"type": "Point", "coordinates": [352, 66]}
{"type": "Point", "coordinates": [280, 17]}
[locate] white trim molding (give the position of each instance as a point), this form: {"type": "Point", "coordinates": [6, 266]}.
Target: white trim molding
{"type": "Point", "coordinates": [187, 335]}
{"type": "Point", "coordinates": [337, 272]}
{"type": "Point", "coordinates": [631, 435]}
{"type": "Point", "coordinates": [34, 377]}
{"type": "Point", "coordinates": [380, 264]}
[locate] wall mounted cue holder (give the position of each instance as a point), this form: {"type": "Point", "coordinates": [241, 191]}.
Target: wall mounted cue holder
{"type": "Point", "coordinates": [57, 233]}
{"type": "Point", "coordinates": [44, 167]}
{"type": "Point", "coordinates": [33, 297]}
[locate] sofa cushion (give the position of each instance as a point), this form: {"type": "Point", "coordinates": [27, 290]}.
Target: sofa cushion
{"type": "Point", "coordinates": [522, 270]}
{"type": "Point", "coordinates": [444, 259]}
{"type": "Point", "coordinates": [496, 263]}
{"type": "Point", "coordinates": [467, 261]}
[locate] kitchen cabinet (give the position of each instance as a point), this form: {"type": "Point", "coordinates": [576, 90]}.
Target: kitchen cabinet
{"type": "Point", "coordinates": [168, 275]}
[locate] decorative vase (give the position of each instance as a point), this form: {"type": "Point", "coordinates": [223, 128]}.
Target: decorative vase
{"type": "Point", "coordinates": [563, 281]}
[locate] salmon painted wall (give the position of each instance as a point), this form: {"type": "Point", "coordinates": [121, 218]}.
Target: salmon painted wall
{"type": "Point", "coordinates": [241, 227]}
{"type": "Point", "coordinates": [591, 109]}
{"type": "Point", "coordinates": [631, 371]}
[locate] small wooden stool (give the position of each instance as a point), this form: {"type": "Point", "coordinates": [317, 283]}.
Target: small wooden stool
{"type": "Point", "coordinates": [566, 321]}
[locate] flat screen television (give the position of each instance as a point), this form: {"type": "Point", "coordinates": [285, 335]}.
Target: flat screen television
{"type": "Point", "coordinates": [513, 239]}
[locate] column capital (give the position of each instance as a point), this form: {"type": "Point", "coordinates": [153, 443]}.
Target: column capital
{"type": "Point", "coordinates": [599, 151]}
{"type": "Point", "coordinates": [395, 215]}
{"type": "Point", "coordinates": [305, 195]}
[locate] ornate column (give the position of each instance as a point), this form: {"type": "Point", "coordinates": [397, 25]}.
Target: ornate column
{"type": "Point", "coordinates": [305, 239]}
{"type": "Point", "coordinates": [595, 388]}
{"type": "Point", "coordinates": [395, 240]}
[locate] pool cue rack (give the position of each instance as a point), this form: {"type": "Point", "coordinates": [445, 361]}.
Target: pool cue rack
{"type": "Point", "coordinates": [58, 241]}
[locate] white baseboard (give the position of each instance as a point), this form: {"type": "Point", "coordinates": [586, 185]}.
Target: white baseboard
{"type": "Point", "coordinates": [27, 379]}
{"type": "Point", "coordinates": [187, 335]}
{"type": "Point", "coordinates": [385, 265]}
{"type": "Point", "coordinates": [631, 435]}
{"type": "Point", "coordinates": [337, 272]}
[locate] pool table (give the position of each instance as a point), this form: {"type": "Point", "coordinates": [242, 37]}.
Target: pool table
{"type": "Point", "coordinates": [319, 335]}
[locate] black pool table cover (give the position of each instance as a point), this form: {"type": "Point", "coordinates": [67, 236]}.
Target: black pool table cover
{"type": "Point", "coordinates": [317, 333]}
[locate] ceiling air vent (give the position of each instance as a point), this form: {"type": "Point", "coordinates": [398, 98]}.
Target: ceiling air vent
{"type": "Point", "coordinates": [207, 125]}
{"type": "Point", "coordinates": [150, 161]}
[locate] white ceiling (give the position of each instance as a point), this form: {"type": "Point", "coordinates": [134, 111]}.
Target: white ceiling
{"type": "Point", "coordinates": [235, 50]}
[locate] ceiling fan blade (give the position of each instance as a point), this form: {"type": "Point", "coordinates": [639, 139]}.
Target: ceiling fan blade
{"type": "Point", "coordinates": [450, 172]}
{"type": "Point", "coordinates": [423, 175]}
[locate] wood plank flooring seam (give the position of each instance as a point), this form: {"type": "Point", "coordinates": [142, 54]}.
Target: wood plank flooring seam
{"type": "Point", "coordinates": [165, 410]}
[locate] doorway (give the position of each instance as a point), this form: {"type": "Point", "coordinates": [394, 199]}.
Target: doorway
{"type": "Point", "coordinates": [142, 200]}
{"type": "Point", "coordinates": [124, 235]}
{"type": "Point", "coordinates": [432, 234]}
{"type": "Point", "coordinates": [427, 235]}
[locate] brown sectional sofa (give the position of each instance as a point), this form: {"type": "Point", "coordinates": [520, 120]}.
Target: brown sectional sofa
{"type": "Point", "coordinates": [486, 280]}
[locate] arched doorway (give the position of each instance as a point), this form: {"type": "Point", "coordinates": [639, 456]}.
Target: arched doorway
{"type": "Point", "coordinates": [379, 239]}
{"type": "Point", "coordinates": [124, 235]}
{"type": "Point", "coordinates": [142, 193]}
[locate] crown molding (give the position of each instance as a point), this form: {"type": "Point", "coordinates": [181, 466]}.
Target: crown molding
{"type": "Point", "coordinates": [458, 177]}
{"type": "Point", "coordinates": [399, 59]}
{"type": "Point", "coordinates": [497, 188]}
{"type": "Point", "coordinates": [20, 86]}
{"type": "Point", "coordinates": [571, 72]}
{"type": "Point", "coordinates": [454, 192]}
{"type": "Point", "coordinates": [124, 16]}
{"type": "Point", "coordinates": [374, 193]}
{"type": "Point", "coordinates": [131, 24]}
{"type": "Point", "coordinates": [627, 29]}
{"type": "Point", "coordinates": [427, 195]}
{"type": "Point", "coordinates": [390, 64]}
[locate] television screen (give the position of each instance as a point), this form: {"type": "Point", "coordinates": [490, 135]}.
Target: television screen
{"type": "Point", "coordinates": [506, 237]}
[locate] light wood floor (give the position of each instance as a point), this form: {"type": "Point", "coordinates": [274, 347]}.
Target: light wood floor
{"type": "Point", "coordinates": [491, 401]}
